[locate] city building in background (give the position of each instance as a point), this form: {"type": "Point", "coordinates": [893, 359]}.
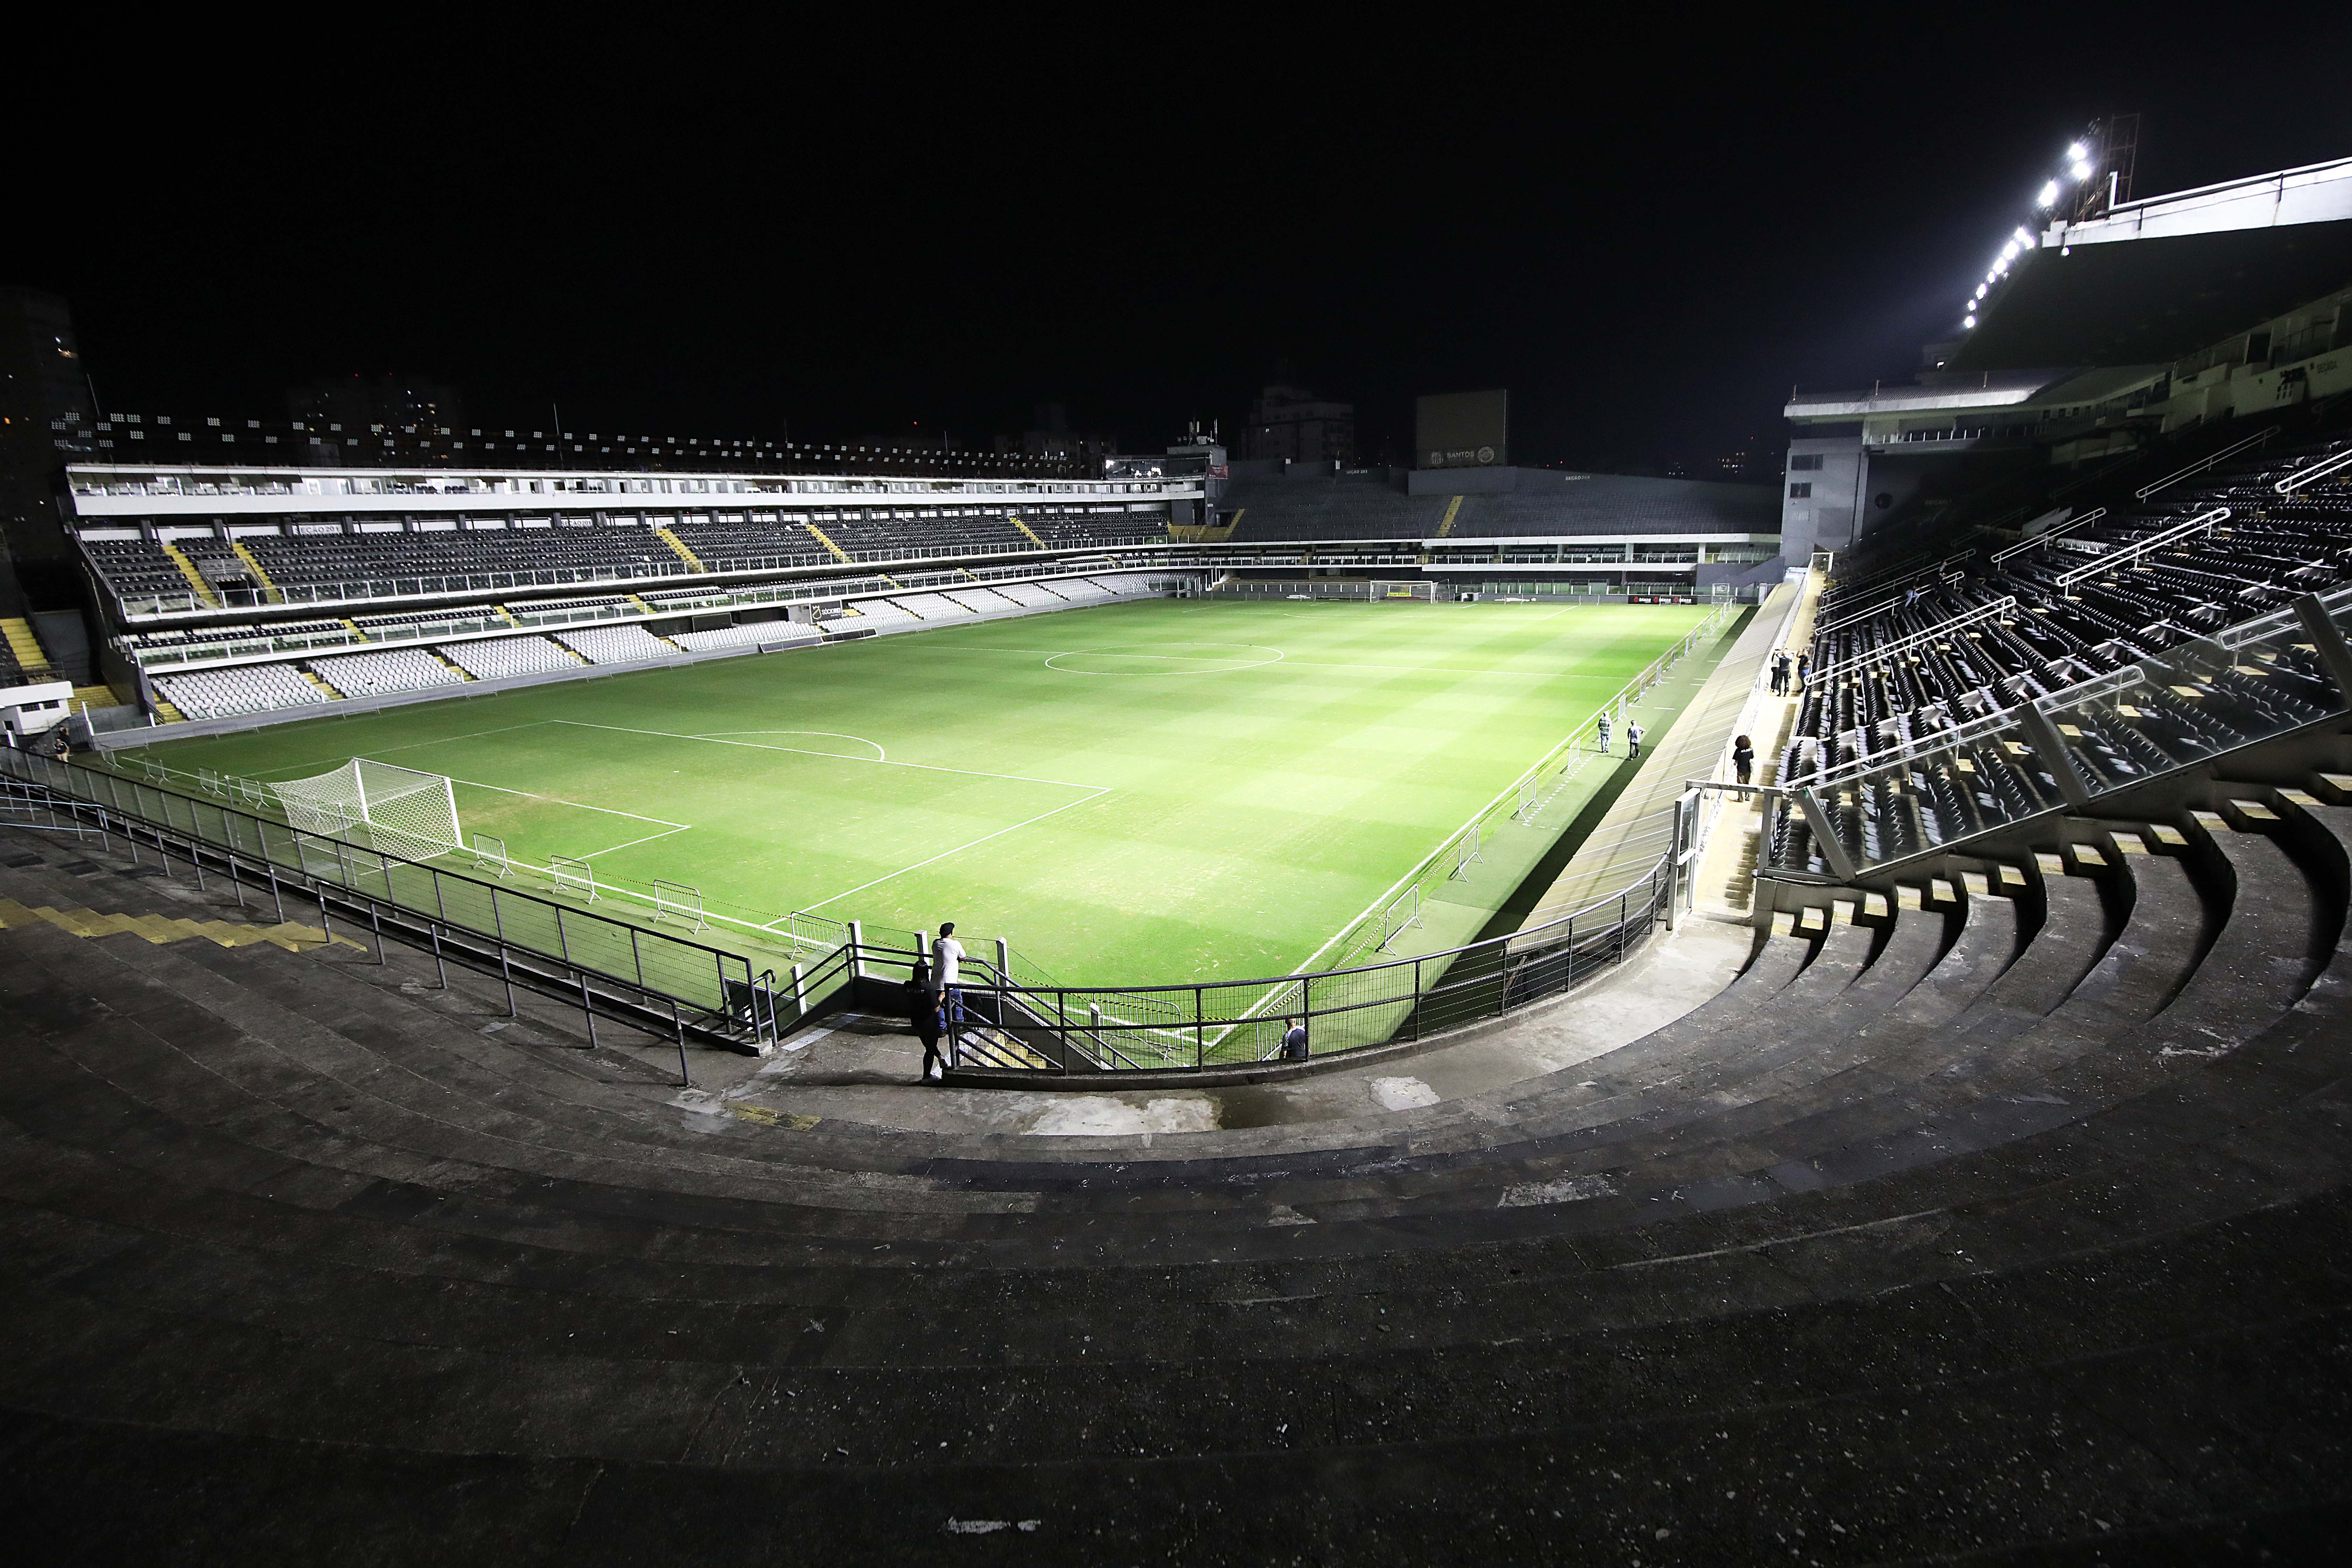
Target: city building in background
{"type": "Point", "coordinates": [47, 410]}
{"type": "Point", "coordinates": [387, 402]}
{"type": "Point", "coordinates": [1291, 421]}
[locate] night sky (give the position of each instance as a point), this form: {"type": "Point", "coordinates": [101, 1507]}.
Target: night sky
{"type": "Point", "coordinates": [1647, 235]}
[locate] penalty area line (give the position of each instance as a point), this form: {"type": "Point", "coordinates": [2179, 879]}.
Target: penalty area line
{"type": "Point", "coordinates": [834, 756]}
{"type": "Point", "coordinates": [943, 854]}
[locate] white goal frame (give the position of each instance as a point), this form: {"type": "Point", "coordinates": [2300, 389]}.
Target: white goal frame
{"type": "Point", "coordinates": [380, 805]}
{"type": "Point", "coordinates": [1419, 591]}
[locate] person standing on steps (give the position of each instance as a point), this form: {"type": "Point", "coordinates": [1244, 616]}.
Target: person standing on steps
{"type": "Point", "coordinates": [1743, 757]}
{"type": "Point", "coordinates": [1633, 743]}
{"type": "Point", "coordinates": [1804, 669]}
{"type": "Point", "coordinates": [1294, 1041]}
{"type": "Point", "coordinates": [923, 1014]}
{"type": "Point", "coordinates": [947, 971]}
{"type": "Point", "coordinates": [1780, 672]}
{"type": "Point", "coordinates": [1603, 724]}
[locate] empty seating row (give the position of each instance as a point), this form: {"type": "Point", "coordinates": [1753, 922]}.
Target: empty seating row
{"type": "Point", "coordinates": [749, 634]}
{"type": "Point", "coordinates": [492, 658]}
{"type": "Point", "coordinates": [391, 669]}
{"type": "Point", "coordinates": [1898, 663]}
{"type": "Point", "coordinates": [615, 645]}
{"type": "Point", "coordinates": [238, 690]}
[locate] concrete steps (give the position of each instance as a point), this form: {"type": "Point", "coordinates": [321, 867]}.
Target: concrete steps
{"type": "Point", "coordinates": [1975, 1199]}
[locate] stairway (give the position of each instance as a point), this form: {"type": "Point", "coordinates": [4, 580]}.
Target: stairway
{"type": "Point", "coordinates": [678, 546]}
{"type": "Point", "coordinates": [25, 648]}
{"type": "Point", "coordinates": [253, 564]}
{"type": "Point", "coordinates": [196, 583]}
{"type": "Point", "coordinates": [1999, 1219]}
{"type": "Point", "coordinates": [826, 539]}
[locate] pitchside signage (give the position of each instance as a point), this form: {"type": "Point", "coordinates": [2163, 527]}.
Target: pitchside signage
{"type": "Point", "coordinates": [1462, 430]}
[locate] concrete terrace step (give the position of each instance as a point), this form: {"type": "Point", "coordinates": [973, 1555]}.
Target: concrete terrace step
{"type": "Point", "coordinates": [1947, 1203]}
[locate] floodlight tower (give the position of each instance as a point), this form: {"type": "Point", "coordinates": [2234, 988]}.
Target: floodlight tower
{"type": "Point", "coordinates": [2103, 157]}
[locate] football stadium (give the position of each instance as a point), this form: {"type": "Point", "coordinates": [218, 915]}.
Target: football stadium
{"type": "Point", "coordinates": [576, 996]}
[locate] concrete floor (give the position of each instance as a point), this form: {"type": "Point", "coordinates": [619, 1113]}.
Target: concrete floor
{"type": "Point", "coordinates": [861, 1068]}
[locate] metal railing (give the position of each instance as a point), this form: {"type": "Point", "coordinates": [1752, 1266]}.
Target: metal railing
{"type": "Point", "coordinates": [1002, 1023]}
{"type": "Point", "coordinates": [2313, 472]}
{"type": "Point", "coordinates": [2182, 707]}
{"type": "Point", "coordinates": [2139, 549]}
{"type": "Point", "coordinates": [2043, 538]}
{"type": "Point", "coordinates": [1898, 645]}
{"type": "Point", "coordinates": [2205, 464]}
{"type": "Point", "coordinates": [649, 977]}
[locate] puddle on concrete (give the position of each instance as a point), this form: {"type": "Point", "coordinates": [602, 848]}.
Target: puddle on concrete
{"type": "Point", "coordinates": [1401, 1093]}
{"type": "Point", "coordinates": [1099, 1116]}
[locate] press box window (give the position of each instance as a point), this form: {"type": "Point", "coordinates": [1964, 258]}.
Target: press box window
{"type": "Point", "coordinates": [1800, 493]}
{"type": "Point", "coordinates": [1805, 462]}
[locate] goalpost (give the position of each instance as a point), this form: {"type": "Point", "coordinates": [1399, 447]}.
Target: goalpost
{"type": "Point", "coordinates": [1418, 591]}
{"type": "Point", "coordinates": [400, 811]}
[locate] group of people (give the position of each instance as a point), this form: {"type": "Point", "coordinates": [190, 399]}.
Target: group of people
{"type": "Point", "coordinates": [1633, 736]}
{"type": "Point", "coordinates": [1784, 668]}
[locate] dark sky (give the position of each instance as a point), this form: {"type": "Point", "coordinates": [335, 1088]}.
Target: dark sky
{"type": "Point", "coordinates": [1647, 235]}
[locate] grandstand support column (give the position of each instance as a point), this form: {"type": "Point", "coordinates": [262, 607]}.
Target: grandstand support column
{"type": "Point", "coordinates": [2324, 636]}
{"type": "Point", "coordinates": [2050, 748]}
{"type": "Point", "coordinates": [1826, 835]}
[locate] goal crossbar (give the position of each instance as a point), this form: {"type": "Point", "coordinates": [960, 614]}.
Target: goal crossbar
{"type": "Point", "coordinates": [396, 810]}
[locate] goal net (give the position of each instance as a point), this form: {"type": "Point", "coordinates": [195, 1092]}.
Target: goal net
{"type": "Point", "coordinates": [1425, 593]}
{"type": "Point", "coordinates": [396, 810]}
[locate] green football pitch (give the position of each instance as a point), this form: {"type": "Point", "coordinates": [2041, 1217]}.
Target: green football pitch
{"type": "Point", "coordinates": [1135, 792]}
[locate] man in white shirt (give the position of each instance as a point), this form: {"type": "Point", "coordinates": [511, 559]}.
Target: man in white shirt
{"type": "Point", "coordinates": [1633, 743]}
{"type": "Point", "coordinates": [946, 969]}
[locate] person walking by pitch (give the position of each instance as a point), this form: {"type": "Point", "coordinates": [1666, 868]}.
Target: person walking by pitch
{"type": "Point", "coordinates": [1603, 727]}
{"type": "Point", "coordinates": [1633, 743]}
{"type": "Point", "coordinates": [1743, 757]}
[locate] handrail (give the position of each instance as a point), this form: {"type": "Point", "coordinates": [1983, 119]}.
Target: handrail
{"type": "Point", "coordinates": [2204, 464]}
{"type": "Point", "coordinates": [1949, 624]}
{"type": "Point", "coordinates": [2316, 471]}
{"type": "Point", "coordinates": [699, 979]}
{"type": "Point", "coordinates": [1899, 573]}
{"type": "Point", "coordinates": [2116, 560]}
{"type": "Point", "coordinates": [2067, 525]}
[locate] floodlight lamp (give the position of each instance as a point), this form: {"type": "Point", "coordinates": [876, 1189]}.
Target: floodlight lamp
{"type": "Point", "coordinates": [1970, 320]}
{"type": "Point", "coordinates": [2048, 196]}
{"type": "Point", "coordinates": [2078, 151]}
{"type": "Point", "coordinates": [2081, 172]}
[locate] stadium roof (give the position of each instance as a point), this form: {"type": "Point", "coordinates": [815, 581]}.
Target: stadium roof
{"type": "Point", "coordinates": [2163, 278]}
